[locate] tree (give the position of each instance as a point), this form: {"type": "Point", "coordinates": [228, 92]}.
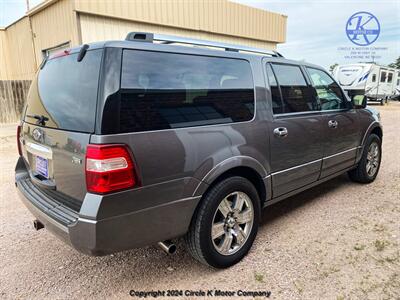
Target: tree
{"type": "Point", "coordinates": [332, 67]}
{"type": "Point", "coordinates": [396, 64]}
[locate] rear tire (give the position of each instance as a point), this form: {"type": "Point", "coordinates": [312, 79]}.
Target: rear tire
{"type": "Point", "coordinates": [370, 161]}
{"type": "Point", "coordinates": [225, 224]}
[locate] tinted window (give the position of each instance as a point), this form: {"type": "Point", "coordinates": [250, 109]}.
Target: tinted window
{"type": "Point", "coordinates": [297, 96]}
{"type": "Point", "coordinates": [65, 92]}
{"type": "Point", "coordinates": [383, 76]}
{"type": "Point", "coordinates": [390, 77]}
{"type": "Point", "coordinates": [277, 105]}
{"type": "Point", "coordinates": [374, 78]}
{"type": "Point", "coordinates": [166, 90]}
{"type": "Point", "coordinates": [328, 91]}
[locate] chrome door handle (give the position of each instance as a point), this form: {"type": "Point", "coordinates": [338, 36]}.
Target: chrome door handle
{"type": "Point", "coordinates": [332, 124]}
{"type": "Point", "coordinates": [280, 132]}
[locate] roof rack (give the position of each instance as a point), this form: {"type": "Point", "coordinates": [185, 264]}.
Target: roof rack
{"type": "Point", "coordinates": [171, 39]}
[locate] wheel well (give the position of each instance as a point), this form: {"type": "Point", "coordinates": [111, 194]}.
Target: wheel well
{"type": "Point", "coordinates": [248, 173]}
{"type": "Point", "coordinates": [378, 132]}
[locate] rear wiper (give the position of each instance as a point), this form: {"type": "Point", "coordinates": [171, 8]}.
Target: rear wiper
{"type": "Point", "coordinates": [41, 120]}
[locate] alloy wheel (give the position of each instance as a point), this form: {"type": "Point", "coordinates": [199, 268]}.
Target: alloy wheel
{"type": "Point", "coordinates": [232, 223]}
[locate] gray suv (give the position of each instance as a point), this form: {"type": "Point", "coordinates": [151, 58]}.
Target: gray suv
{"type": "Point", "coordinates": [129, 143]}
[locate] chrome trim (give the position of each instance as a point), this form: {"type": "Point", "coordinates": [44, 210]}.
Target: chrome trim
{"type": "Point", "coordinates": [234, 157]}
{"type": "Point", "coordinates": [84, 220]}
{"type": "Point", "coordinates": [39, 150]}
{"type": "Point", "coordinates": [305, 113]}
{"type": "Point", "coordinates": [342, 152]}
{"type": "Point", "coordinates": [365, 134]}
{"type": "Point", "coordinates": [296, 167]}
{"type": "Point", "coordinates": [231, 158]}
{"type": "Point", "coordinates": [169, 39]}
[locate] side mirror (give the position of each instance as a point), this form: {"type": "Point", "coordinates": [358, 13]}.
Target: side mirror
{"type": "Point", "coordinates": [359, 101]}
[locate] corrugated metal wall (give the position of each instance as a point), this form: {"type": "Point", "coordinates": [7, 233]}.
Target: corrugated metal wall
{"type": "Point", "coordinates": [17, 51]}
{"type": "Point", "coordinates": [17, 67]}
{"type": "Point", "coordinates": [12, 99]}
{"type": "Point", "coordinates": [97, 28]}
{"type": "Point", "coordinates": [56, 22]}
{"type": "Point", "coordinates": [3, 61]}
{"type": "Point", "coordinates": [220, 17]}
{"type": "Point", "coordinates": [54, 25]}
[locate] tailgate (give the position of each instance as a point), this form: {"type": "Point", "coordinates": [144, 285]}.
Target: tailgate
{"type": "Point", "coordinates": [58, 121]}
{"type": "Point", "coordinates": [56, 159]}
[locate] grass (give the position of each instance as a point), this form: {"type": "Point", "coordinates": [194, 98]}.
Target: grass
{"type": "Point", "coordinates": [359, 247]}
{"type": "Point", "coordinates": [380, 245]}
{"type": "Point", "coordinates": [298, 286]}
{"type": "Point", "coordinates": [259, 277]}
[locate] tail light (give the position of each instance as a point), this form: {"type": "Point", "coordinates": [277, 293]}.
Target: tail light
{"type": "Point", "coordinates": [18, 140]}
{"type": "Point", "coordinates": [109, 168]}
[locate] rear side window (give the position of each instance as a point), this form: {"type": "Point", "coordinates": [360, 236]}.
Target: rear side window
{"type": "Point", "coordinates": [65, 92]}
{"type": "Point", "coordinates": [167, 90]}
{"type": "Point", "coordinates": [297, 95]}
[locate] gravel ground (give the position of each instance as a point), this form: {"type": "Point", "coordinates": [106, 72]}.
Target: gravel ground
{"type": "Point", "coordinates": [339, 240]}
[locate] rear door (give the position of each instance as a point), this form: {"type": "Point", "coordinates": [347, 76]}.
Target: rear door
{"type": "Point", "coordinates": [59, 118]}
{"type": "Point", "coordinates": [340, 124]}
{"type": "Point", "coordinates": [295, 138]}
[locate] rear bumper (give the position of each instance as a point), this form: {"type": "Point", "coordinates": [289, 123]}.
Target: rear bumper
{"type": "Point", "coordinates": [108, 235]}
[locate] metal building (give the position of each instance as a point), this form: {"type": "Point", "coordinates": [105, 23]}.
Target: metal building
{"type": "Point", "coordinates": [57, 24]}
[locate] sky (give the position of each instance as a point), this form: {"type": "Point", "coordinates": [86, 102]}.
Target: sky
{"type": "Point", "coordinates": [315, 29]}
{"type": "Point", "coordinates": [12, 10]}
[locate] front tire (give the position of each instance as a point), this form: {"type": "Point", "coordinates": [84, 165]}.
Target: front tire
{"type": "Point", "coordinates": [225, 224]}
{"type": "Point", "coordinates": [369, 164]}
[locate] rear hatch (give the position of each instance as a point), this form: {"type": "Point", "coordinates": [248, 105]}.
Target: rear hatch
{"type": "Point", "coordinates": [58, 121]}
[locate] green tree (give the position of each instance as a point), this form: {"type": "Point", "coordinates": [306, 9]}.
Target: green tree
{"type": "Point", "coordinates": [332, 67]}
{"type": "Point", "coordinates": [396, 64]}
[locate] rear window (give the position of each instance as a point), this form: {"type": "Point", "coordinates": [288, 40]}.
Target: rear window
{"type": "Point", "coordinates": [65, 92]}
{"type": "Point", "coordinates": [167, 90]}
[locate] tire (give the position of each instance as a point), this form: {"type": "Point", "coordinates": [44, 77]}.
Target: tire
{"type": "Point", "coordinates": [360, 174]}
{"type": "Point", "coordinates": [199, 239]}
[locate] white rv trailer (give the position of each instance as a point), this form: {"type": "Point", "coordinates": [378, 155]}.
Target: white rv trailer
{"type": "Point", "coordinates": [377, 82]}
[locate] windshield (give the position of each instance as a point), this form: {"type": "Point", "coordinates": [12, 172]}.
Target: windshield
{"type": "Point", "coordinates": [64, 93]}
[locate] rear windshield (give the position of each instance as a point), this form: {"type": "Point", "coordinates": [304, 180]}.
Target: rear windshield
{"type": "Point", "coordinates": [65, 92]}
{"type": "Point", "coordinates": [167, 90]}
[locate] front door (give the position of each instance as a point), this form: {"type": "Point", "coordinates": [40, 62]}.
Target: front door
{"type": "Point", "coordinates": [296, 126]}
{"type": "Point", "coordinates": [339, 121]}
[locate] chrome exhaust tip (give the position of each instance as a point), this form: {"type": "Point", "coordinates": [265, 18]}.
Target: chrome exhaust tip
{"type": "Point", "coordinates": [168, 247]}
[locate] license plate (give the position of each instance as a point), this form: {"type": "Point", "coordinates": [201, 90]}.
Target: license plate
{"type": "Point", "coordinates": [42, 166]}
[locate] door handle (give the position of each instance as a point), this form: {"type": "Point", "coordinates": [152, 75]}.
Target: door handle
{"type": "Point", "coordinates": [280, 132]}
{"type": "Point", "coordinates": [332, 123]}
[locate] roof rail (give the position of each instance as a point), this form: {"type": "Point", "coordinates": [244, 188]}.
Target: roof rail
{"type": "Point", "coordinates": [171, 39]}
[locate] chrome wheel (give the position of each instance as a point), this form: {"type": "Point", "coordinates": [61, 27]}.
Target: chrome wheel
{"type": "Point", "coordinates": [232, 223]}
{"type": "Point", "coordinates": [373, 157]}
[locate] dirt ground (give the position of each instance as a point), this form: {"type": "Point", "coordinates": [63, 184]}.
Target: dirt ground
{"type": "Point", "coordinates": [340, 240]}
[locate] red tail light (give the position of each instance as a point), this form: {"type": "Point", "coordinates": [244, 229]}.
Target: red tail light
{"type": "Point", "coordinates": [18, 141]}
{"type": "Point", "coordinates": [109, 168]}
